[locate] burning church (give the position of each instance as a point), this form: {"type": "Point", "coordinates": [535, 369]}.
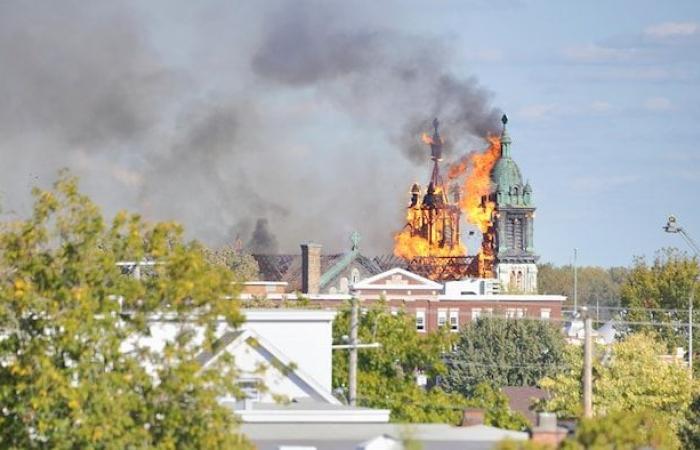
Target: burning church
{"type": "Point", "coordinates": [487, 189]}
{"type": "Point", "coordinates": [481, 192]}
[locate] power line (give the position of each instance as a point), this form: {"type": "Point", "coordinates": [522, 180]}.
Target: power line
{"type": "Point", "coordinates": [498, 315]}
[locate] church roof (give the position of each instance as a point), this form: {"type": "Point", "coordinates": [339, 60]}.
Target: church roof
{"type": "Point", "coordinates": [288, 267]}
{"type": "Point", "coordinates": [506, 174]}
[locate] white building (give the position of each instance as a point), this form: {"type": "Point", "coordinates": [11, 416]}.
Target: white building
{"type": "Point", "coordinates": [297, 409]}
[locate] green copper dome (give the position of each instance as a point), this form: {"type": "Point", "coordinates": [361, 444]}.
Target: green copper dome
{"type": "Point", "coordinates": [506, 174]}
{"type": "Point", "coordinates": [506, 177]}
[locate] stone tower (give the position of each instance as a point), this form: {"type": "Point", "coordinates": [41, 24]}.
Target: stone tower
{"type": "Point", "coordinates": [513, 219]}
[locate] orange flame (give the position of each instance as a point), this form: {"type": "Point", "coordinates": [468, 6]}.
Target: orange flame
{"type": "Point", "coordinates": [474, 202]}
{"type": "Point", "coordinates": [428, 139]}
{"type": "Point", "coordinates": [477, 183]}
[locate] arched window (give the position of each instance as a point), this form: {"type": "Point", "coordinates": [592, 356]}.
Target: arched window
{"type": "Point", "coordinates": [354, 276]}
{"type": "Point", "coordinates": [344, 288]}
{"type": "Point", "coordinates": [520, 279]}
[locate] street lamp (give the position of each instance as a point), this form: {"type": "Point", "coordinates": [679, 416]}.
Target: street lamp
{"type": "Point", "coordinates": [673, 227]}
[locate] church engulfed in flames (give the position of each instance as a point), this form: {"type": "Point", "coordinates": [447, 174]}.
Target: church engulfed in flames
{"type": "Point", "coordinates": [487, 189]}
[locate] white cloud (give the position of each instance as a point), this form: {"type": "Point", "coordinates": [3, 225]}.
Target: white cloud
{"type": "Point", "coordinates": [592, 53]}
{"type": "Point", "coordinates": [657, 104]}
{"type": "Point", "coordinates": [672, 29]}
{"type": "Point", "coordinates": [538, 111]}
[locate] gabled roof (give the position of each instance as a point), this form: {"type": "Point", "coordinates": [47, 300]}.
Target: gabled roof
{"type": "Point", "coordinates": [374, 282]}
{"type": "Point", "coordinates": [288, 267]}
{"type": "Point", "coordinates": [231, 340]}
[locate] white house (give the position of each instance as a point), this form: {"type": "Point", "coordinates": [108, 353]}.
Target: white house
{"type": "Point", "coordinates": [297, 408]}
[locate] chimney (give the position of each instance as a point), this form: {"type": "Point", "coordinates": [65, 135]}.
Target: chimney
{"type": "Point", "coordinates": [547, 432]}
{"type": "Point", "coordinates": [472, 416]}
{"type": "Point", "coordinates": [310, 268]}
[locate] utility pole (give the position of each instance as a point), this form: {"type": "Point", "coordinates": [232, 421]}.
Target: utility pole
{"type": "Point", "coordinates": [352, 372]}
{"type": "Point", "coordinates": [690, 329]}
{"type": "Point", "coordinates": [575, 283]}
{"type": "Point", "coordinates": [353, 345]}
{"type": "Point", "coordinates": [588, 367]}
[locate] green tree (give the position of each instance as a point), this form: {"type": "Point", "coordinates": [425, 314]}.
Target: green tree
{"type": "Point", "coordinates": [504, 352]}
{"type": "Point", "coordinates": [690, 429]}
{"type": "Point", "coordinates": [509, 444]}
{"type": "Point", "coordinates": [387, 375]}
{"type": "Point", "coordinates": [624, 430]}
{"type": "Point", "coordinates": [67, 314]}
{"type": "Point", "coordinates": [243, 265]}
{"type": "Point", "coordinates": [596, 285]}
{"type": "Point", "coordinates": [664, 284]}
{"type": "Point", "coordinates": [628, 376]}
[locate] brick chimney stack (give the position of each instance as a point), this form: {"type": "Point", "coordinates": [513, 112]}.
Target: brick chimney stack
{"type": "Point", "coordinates": [472, 416]}
{"type": "Point", "coordinates": [547, 431]}
{"type": "Point", "coordinates": [310, 268]}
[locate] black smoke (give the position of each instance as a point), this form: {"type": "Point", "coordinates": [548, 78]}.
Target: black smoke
{"type": "Point", "coordinates": [288, 114]}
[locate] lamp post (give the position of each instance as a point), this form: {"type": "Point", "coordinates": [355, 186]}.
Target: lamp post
{"type": "Point", "coordinates": [673, 227]}
{"type": "Point", "coordinates": [575, 283]}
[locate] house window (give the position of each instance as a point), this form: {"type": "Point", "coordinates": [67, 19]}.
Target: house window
{"type": "Point", "coordinates": [420, 320]}
{"type": "Point", "coordinates": [510, 313]}
{"type": "Point", "coordinates": [442, 317]}
{"type": "Point", "coordinates": [520, 313]}
{"type": "Point", "coordinates": [545, 313]}
{"type": "Point", "coordinates": [394, 311]}
{"type": "Point", "coordinates": [250, 388]}
{"type": "Point", "coordinates": [488, 312]}
{"type": "Point", "coordinates": [476, 313]}
{"type": "Point", "coordinates": [454, 319]}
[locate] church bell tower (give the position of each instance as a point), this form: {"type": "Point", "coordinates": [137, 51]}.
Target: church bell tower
{"type": "Point", "coordinates": [513, 220]}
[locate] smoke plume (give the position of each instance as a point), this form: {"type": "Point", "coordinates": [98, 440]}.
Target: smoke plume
{"type": "Point", "coordinates": [298, 117]}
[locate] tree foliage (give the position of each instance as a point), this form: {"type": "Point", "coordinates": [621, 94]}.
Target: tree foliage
{"type": "Point", "coordinates": [504, 352]}
{"type": "Point", "coordinates": [67, 314]}
{"type": "Point", "coordinates": [243, 265]}
{"type": "Point", "coordinates": [595, 285]}
{"type": "Point", "coordinates": [690, 429]}
{"type": "Point", "coordinates": [624, 430]}
{"type": "Point", "coordinates": [629, 377]}
{"type": "Point", "coordinates": [664, 284]}
{"type": "Point", "coordinates": [387, 375]}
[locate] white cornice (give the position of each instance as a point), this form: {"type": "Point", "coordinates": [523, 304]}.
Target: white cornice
{"type": "Point", "coordinates": [503, 298]}
{"type": "Point", "coordinates": [314, 416]}
{"type": "Point", "coordinates": [289, 315]}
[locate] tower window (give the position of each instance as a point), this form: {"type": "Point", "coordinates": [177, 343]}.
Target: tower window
{"type": "Point", "coordinates": [518, 234]}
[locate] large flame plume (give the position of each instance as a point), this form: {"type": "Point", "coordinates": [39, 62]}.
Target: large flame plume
{"type": "Point", "coordinates": [476, 186]}
{"type": "Point", "coordinates": [473, 175]}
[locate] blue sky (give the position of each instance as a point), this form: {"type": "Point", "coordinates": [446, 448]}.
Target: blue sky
{"type": "Point", "coordinates": [159, 107]}
{"type": "Point", "coordinates": [604, 103]}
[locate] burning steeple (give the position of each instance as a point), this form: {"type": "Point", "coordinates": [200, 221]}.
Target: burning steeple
{"type": "Point", "coordinates": [488, 189]}
{"type": "Point", "coordinates": [432, 227]}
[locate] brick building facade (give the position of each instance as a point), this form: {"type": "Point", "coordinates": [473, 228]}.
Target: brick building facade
{"type": "Point", "coordinates": [452, 304]}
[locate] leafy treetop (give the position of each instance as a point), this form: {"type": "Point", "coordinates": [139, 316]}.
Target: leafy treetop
{"type": "Point", "coordinates": [67, 316]}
